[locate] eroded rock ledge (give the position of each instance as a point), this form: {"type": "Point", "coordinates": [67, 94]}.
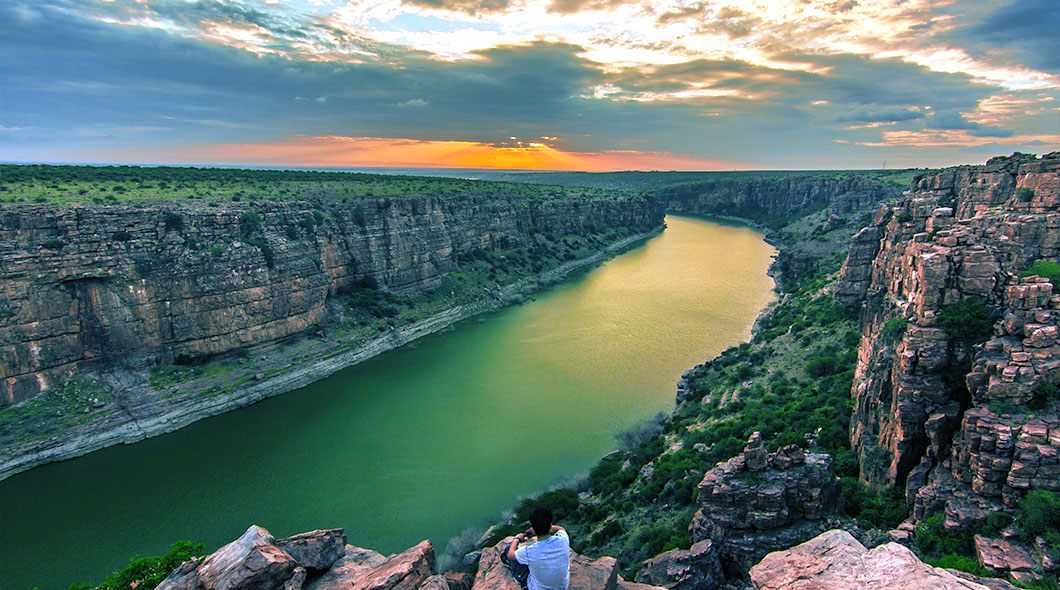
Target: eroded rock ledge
{"type": "Point", "coordinates": [321, 560]}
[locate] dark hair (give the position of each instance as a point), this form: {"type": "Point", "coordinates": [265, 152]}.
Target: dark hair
{"type": "Point", "coordinates": [541, 520]}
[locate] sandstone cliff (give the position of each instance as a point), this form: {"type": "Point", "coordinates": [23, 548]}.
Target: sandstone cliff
{"type": "Point", "coordinates": [114, 289]}
{"type": "Point", "coordinates": [101, 282]}
{"type": "Point", "coordinates": [959, 415]}
{"type": "Point", "coordinates": [775, 197]}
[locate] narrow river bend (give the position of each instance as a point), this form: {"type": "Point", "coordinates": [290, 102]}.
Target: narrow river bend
{"type": "Point", "coordinates": [417, 443]}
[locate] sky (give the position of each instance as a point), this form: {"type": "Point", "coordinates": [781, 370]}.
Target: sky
{"type": "Point", "coordinates": [529, 84]}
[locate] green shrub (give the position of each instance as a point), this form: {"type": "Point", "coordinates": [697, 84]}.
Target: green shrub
{"type": "Point", "coordinates": [611, 528]}
{"type": "Point", "coordinates": [1039, 516]}
{"type": "Point", "coordinates": [1000, 408]}
{"type": "Point", "coordinates": [894, 329]}
{"type": "Point", "coordinates": [933, 539]}
{"type": "Point", "coordinates": [820, 366]}
{"type": "Point", "coordinates": [249, 223]}
{"type": "Point", "coordinates": [1047, 396]}
{"type": "Point", "coordinates": [144, 573]}
{"type": "Point", "coordinates": [664, 538]}
{"type": "Point", "coordinates": [1025, 195]}
{"type": "Point", "coordinates": [1047, 269]}
{"type": "Point", "coordinates": [967, 322]}
{"type": "Point", "coordinates": [173, 221]}
{"type": "Point", "coordinates": [995, 522]}
{"type": "Point", "coordinates": [879, 509]}
{"type": "Point", "coordinates": [1046, 583]}
{"type": "Point", "coordinates": [961, 563]}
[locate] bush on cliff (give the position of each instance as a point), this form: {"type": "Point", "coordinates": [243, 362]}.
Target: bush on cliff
{"type": "Point", "coordinates": [1047, 269]}
{"type": "Point", "coordinates": [967, 322]}
{"type": "Point", "coordinates": [1039, 516]}
{"type": "Point", "coordinates": [878, 509]}
{"type": "Point", "coordinates": [894, 329]}
{"type": "Point", "coordinates": [144, 573]}
{"type": "Point", "coordinates": [933, 539]}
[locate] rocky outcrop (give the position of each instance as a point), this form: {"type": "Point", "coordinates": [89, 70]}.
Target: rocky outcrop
{"type": "Point", "coordinates": [954, 406]}
{"type": "Point", "coordinates": [696, 568]}
{"type": "Point", "coordinates": [962, 233]}
{"type": "Point", "coordinates": [257, 561]}
{"type": "Point", "coordinates": [837, 561]}
{"type": "Point", "coordinates": [759, 502]}
{"type": "Point", "coordinates": [316, 551]}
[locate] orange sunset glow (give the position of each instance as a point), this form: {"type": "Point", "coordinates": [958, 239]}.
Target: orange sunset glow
{"type": "Point", "coordinates": [380, 152]}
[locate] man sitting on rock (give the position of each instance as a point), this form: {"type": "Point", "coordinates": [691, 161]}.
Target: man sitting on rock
{"type": "Point", "coordinates": [544, 565]}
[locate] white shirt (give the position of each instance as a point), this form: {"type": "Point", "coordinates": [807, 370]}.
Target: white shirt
{"type": "Point", "coordinates": [549, 562]}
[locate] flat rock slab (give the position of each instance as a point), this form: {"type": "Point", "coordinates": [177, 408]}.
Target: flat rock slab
{"type": "Point", "coordinates": [837, 561]}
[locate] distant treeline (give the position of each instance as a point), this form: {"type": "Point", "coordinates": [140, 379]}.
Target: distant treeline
{"type": "Point", "coordinates": [641, 181]}
{"type": "Point", "coordinates": [69, 184]}
{"type": "Point", "coordinates": [71, 173]}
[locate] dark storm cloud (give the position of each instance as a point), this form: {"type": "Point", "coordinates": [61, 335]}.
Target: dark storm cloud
{"type": "Point", "coordinates": [1031, 27]}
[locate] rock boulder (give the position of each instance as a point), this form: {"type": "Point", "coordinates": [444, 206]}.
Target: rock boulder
{"type": "Point", "coordinates": [837, 561]}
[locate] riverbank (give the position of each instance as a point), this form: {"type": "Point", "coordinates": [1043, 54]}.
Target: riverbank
{"type": "Point", "coordinates": [162, 411]}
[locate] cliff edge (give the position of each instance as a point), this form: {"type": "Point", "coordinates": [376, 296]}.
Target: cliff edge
{"type": "Point", "coordinates": [955, 386]}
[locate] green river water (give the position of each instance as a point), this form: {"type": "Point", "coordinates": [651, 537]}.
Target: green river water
{"type": "Point", "coordinates": [420, 442]}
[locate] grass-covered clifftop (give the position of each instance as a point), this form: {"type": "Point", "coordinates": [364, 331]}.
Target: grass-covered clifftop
{"type": "Point", "coordinates": [67, 185]}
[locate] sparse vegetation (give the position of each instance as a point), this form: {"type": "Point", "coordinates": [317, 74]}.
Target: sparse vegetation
{"type": "Point", "coordinates": [1047, 269]}
{"type": "Point", "coordinates": [148, 572]}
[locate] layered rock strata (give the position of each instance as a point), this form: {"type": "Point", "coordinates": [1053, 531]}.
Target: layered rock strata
{"type": "Point", "coordinates": [172, 279]}
{"type": "Point", "coordinates": [759, 502]}
{"type": "Point", "coordinates": [777, 196]}
{"type": "Point", "coordinates": [966, 426]}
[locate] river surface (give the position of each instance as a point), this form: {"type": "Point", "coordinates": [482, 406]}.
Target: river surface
{"type": "Point", "coordinates": [421, 442]}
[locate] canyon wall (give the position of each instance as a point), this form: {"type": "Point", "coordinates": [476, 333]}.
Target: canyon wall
{"type": "Point", "coordinates": [781, 196]}
{"type": "Point", "coordinates": [170, 279]}
{"type": "Point", "coordinates": [959, 354]}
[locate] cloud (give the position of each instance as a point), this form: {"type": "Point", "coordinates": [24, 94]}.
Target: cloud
{"type": "Point", "coordinates": [953, 121]}
{"type": "Point", "coordinates": [1028, 26]}
{"type": "Point", "coordinates": [875, 114]}
{"type": "Point", "coordinates": [468, 6]}
{"type": "Point", "coordinates": [670, 80]}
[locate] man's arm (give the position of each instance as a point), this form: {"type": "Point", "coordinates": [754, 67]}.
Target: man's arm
{"type": "Point", "coordinates": [511, 548]}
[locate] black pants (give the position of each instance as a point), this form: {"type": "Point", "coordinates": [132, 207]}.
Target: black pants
{"type": "Point", "coordinates": [519, 571]}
